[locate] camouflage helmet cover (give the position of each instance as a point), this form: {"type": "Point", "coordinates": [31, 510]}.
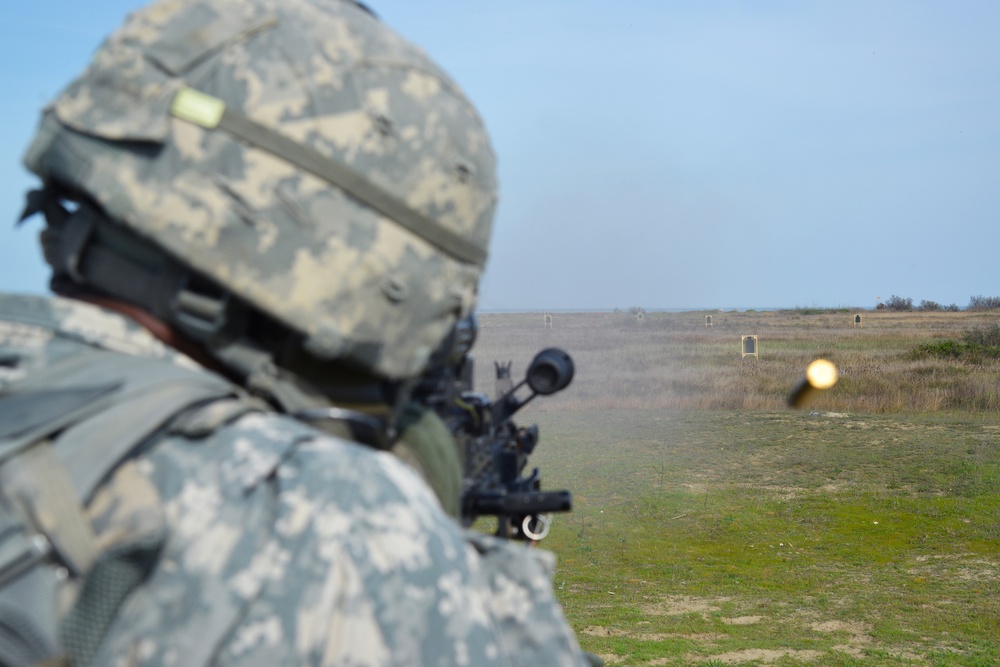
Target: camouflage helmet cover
{"type": "Point", "coordinates": [298, 153]}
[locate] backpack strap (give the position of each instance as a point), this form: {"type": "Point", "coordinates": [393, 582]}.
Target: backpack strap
{"type": "Point", "coordinates": [28, 620]}
{"type": "Point", "coordinates": [64, 430]}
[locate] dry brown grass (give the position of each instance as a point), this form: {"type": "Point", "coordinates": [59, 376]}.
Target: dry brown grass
{"type": "Point", "coordinates": [673, 361]}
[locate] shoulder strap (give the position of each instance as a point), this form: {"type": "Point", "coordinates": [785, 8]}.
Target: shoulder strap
{"type": "Point", "coordinates": [64, 430]}
{"type": "Point", "coordinates": [98, 406]}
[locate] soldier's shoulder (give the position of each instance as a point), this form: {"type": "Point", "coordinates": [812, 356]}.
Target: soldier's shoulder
{"type": "Point", "coordinates": [312, 463]}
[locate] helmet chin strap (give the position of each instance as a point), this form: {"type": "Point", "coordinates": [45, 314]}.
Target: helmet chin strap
{"type": "Point", "coordinates": [100, 262]}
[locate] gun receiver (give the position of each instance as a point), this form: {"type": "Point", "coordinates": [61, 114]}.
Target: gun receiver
{"type": "Point", "coordinates": [497, 451]}
{"type": "Point", "coordinates": [494, 448]}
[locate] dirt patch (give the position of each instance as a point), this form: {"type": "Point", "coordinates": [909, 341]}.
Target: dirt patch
{"type": "Point", "coordinates": [764, 655]}
{"type": "Point", "coordinates": [675, 605]}
{"type": "Point", "coordinates": [834, 487]}
{"type": "Point", "coordinates": [968, 574]}
{"type": "Point", "coordinates": [743, 620]}
{"type": "Point", "coordinates": [856, 629]}
{"type": "Point", "coordinates": [906, 655]}
{"type": "Point", "coordinates": [598, 631]}
{"type": "Point", "coordinates": [850, 649]}
{"type": "Point", "coordinates": [959, 566]}
{"type": "Point", "coordinates": [938, 557]}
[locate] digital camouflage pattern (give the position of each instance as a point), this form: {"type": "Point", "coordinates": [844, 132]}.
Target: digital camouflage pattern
{"type": "Point", "coordinates": [287, 547]}
{"type": "Point", "coordinates": [354, 207]}
{"type": "Point", "coordinates": [35, 332]}
{"type": "Point", "coordinates": [330, 77]}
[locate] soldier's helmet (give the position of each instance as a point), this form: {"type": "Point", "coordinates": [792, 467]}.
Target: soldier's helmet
{"type": "Point", "coordinates": [294, 158]}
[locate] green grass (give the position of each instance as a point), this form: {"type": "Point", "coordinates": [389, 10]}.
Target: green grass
{"type": "Point", "coordinates": [714, 526]}
{"type": "Point", "coordinates": [969, 352]}
{"type": "Point", "coordinates": [711, 534]}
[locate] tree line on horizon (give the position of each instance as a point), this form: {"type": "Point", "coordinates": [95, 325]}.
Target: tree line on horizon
{"type": "Point", "coordinates": [904, 304]}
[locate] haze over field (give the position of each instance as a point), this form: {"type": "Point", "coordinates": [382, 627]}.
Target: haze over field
{"type": "Point", "coordinates": [671, 155]}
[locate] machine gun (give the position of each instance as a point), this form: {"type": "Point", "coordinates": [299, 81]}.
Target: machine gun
{"type": "Point", "coordinates": [495, 450]}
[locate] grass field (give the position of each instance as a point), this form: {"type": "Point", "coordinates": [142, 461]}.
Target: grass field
{"type": "Point", "coordinates": [714, 526]}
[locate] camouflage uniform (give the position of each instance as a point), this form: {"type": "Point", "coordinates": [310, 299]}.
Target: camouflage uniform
{"type": "Point", "coordinates": [306, 199]}
{"type": "Point", "coordinates": [284, 546]}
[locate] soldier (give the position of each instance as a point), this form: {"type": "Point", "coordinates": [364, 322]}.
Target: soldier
{"type": "Point", "coordinates": [254, 210]}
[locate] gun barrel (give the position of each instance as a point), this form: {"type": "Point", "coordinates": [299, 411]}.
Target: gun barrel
{"type": "Point", "coordinates": [551, 371]}
{"type": "Point", "coordinates": [526, 502]}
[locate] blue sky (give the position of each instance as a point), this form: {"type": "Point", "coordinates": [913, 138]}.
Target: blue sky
{"type": "Point", "coordinates": [683, 154]}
